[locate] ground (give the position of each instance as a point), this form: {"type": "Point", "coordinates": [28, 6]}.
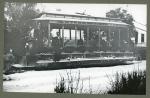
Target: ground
{"type": "Point", "coordinates": [96, 78]}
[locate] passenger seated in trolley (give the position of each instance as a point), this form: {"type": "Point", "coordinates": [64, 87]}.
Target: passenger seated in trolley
{"type": "Point", "coordinates": [57, 42]}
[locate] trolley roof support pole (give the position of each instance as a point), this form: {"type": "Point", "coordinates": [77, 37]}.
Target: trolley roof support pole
{"type": "Point", "coordinates": [119, 40]}
{"type": "Point", "coordinates": [87, 38]}
{"type": "Point", "coordinates": [63, 36]}
{"type": "Point", "coordinates": [99, 38]}
{"type": "Point", "coordinates": [80, 34]}
{"type": "Point", "coordinates": [76, 36]}
{"type": "Point", "coordinates": [49, 34]}
{"type": "Point", "coordinates": [70, 33]}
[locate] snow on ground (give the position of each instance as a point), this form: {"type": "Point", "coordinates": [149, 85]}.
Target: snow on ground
{"type": "Point", "coordinates": [45, 81]}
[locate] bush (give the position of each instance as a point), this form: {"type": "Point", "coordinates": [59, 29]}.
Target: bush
{"type": "Point", "coordinates": [61, 87]}
{"type": "Point", "coordinates": [124, 83]}
{"type": "Point", "coordinates": [73, 84]}
{"type": "Point", "coordinates": [69, 85]}
{"type": "Point", "coordinates": [130, 83]}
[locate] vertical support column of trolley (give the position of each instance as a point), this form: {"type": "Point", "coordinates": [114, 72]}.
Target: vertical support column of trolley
{"type": "Point", "coordinates": [109, 38]}
{"type": "Point", "coordinates": [70, 33]}
{"type": "Point", "coordinates": [99, 41]}
{"type": "Point", "coordinates": [76, 36]}
{"type": "Point", "coordinates": [49, 34]}
{"type": "Point", "coordinates": [63, 36]}
{"type": "Point", "coordinates": [87, 38]}
{"type": "Point", "coordinates": [128, 37]}
{"type": "Point", "coordinates": [59, 30]}
{"type": "Point", "coordinates": [80, 34]}
{"type": "Point", "coordinates": [119, 39]}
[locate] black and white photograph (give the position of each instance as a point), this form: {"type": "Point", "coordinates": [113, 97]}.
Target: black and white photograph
{"type": "Point", "coordinates": [75, 48]}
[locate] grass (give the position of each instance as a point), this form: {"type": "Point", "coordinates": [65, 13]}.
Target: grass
{"type": "Point", "coordinates": [72, 84]}
{"type": "Point", "coordinates": [133, 83]}
{"type": "Point", "coordinates": [130, 83]}
{"type": "Point", "coordinates": [69, 84]}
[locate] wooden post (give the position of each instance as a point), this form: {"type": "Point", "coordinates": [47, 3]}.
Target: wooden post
{"type": "Point", "coordinates": [109, 36]}
{"type": "Point", "coordinates": [128, 37]}
{"type": "Point", "coordinates": [63, 36]}
{"type": "Point", "coordinates": [59, 31]}
{"type": "Point", "coordinates": [87, 38]}
{"type": "Point", "coordinates": [49, 34]}
{"type": "Point", "coordinates": [119, 40]}
{"type": "Point", "coordinates": [99, 37]}
{"type": "Point", "coordinates": [76, 35]}
{"type": "Point", "coordinates": [80, 34]}
{"type": "Point", "coordinates": [70, 34]}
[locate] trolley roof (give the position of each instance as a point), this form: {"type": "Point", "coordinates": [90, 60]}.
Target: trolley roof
{"type": "Point", "coordinates": [78, 18]}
